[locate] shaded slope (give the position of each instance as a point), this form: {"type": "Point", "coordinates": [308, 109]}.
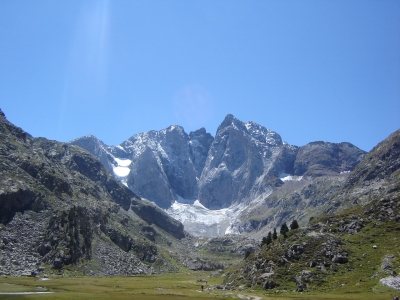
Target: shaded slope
{"type": "Point", "coordinates": [61, 209]}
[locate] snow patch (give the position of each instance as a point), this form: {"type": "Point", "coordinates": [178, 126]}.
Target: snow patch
{"type": "Point", "coordinates": [123, 162]}
{"type": "Point", "coordinates": [201, 221]}
{"type": "Point", "coordinates": [196, 212]}
{"type": "Point", "coordinates": [287, 177]}
{"type": "Point", "coordinates": [185, 201]}
{"type": "Point", "coordinates": [121, 171]}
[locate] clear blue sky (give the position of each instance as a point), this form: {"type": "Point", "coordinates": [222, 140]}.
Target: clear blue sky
{"type": "Point", "coordinates": [309, 70]}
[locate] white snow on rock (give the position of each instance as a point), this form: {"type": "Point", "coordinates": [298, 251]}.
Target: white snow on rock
{"type": "Point", "coordinates": [185, 211]}
{"type": "Point", "coordinates": [123, 162]}
{"type": "Point", "coordinates": [287, 177]}
{"type": "Point", "coordinates": [201, 221]}
{"type": "Point", "coordinates": [122, 170]}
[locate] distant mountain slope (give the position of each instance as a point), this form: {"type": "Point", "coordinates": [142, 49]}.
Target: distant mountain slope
{"type": "Point", "coordinates": [241, 163]}
{"type": "Point", "coordinates": [376, 177]}
{"type": "Point", "coordinates": [160, 166]}
{"type": "Point", "coordinates": [323, 158]}
{"type": "Point", "coordinates": [245, 160]}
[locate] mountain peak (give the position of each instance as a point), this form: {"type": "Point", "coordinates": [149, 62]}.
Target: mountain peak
{"type": "Point", "coordinates": [231, 120]}
{"type": "Point", "coordinates": [175, 127]}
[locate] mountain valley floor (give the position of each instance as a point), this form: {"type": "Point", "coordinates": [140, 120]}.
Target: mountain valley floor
{"type": "Point", "coordinates": [168, 286]}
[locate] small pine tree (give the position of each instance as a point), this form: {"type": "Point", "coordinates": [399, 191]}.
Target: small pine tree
{"type": "Point", "coordinates": [247, 254]}
{"type": "Point", "coordinates": [266, 240]}
{"type": "Point", "coordinates": [275, 235]}
{"type": "Point", "coordinates": [284, 230]}
{"type": "Point", "coordinates": [294, 225]}
{"type": "Point", "coordinates": [269, 238]}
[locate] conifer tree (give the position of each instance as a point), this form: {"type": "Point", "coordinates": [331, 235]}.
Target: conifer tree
{"type": "Point", "coordinates": [269, 238]}
{"type": "Point", "coordinates": [275, 235]}
{"type": "Point", "coordinates": [264, 241]}
{"type": "Point", "coordinates": [284, 230]}
{"type": "Point", "coordinates": [294, 225]}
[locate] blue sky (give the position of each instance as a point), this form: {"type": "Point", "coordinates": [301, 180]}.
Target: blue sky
{"type": "Point", "coordinates": [309, 70]}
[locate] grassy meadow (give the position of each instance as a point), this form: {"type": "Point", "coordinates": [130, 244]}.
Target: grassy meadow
{"type": "Point", "coordinates": [147, 287]}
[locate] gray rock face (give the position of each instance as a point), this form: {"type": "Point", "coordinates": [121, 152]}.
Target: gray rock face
{"type": "Point", "coordinates": [148, 179]}
{"type": "Point", "coordinates": [97, 148]}
{"type": "Point", "coordinates": [240, 157]}
{"type": "Point", "coordinates": [200, 142]}
{"type": "Point", "coordinates": [164, 164]}
{"type": "Point", "coordinates": [323, 158]}
{"type": "Point", "coordinates": [243, 161]}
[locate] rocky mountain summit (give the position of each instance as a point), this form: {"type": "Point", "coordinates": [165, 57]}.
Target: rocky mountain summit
{"type": "Point", "coordinates": [62, 212]}
{"type": "Point", "coordinates": [242, 165]}
{"type": "Point", "coordinates": [159, 166]}
{"type": "Point", "coordinates": [245, 161]}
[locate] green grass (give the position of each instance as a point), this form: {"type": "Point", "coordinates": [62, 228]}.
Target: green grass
{"type": "Point", "coordinates": [356, 279]}
{"type": "Point", "coordinates": [169, 286]}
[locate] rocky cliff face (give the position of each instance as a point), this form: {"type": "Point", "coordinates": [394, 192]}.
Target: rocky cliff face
{"type": "Point", "coordinates": [241, 163]}
{"type": "Point", "coordinates": [245, 161]}
{"type": "Point", "coordinates": [240, 156]}
{"type": "Point", "coordinates": [161, 165]}
{"type": "Point", "coordinates": [200, 142]}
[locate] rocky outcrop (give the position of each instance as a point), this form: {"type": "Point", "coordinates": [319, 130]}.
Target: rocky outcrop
{"type": "Point", "coordinates": [153, 215]}
{"type": "Point", "coordinates": [68, 238]}
{"type": "Point", "coordinates": [60, 207]}
{"type": "Point", "coordinates": [97, 148]}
